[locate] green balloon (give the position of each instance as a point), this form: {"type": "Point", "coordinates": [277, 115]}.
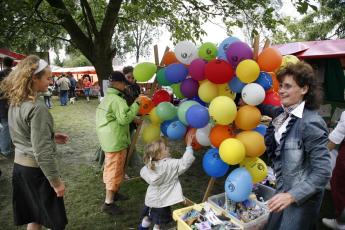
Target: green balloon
{"type": "Point", "coordinates": [144, 71]}
{"type": "Point", "coordinates": [160, 76]}
{"type": "Point", "coordinates": [177, 90]}
{"type": "Point", "coordinates": [182, 110]}
{"type": "Point", "coordinates": [166, 111]}
{"type": "Point", "coordinates": [208, 51]}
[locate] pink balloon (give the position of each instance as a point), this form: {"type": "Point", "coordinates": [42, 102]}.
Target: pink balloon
{"type": "Point", "coordinates": [197, 69]}
{"type": "Point", "coordinates": [189, 88]}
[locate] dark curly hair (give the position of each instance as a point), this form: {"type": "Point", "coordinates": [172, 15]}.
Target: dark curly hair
{"type": "Point", "coordinates": [304, 75]}
{"type": "Point", "coordinates": [127, 69]}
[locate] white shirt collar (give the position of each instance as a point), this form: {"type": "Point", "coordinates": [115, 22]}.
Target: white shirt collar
{"type": "Point", "coordinates": [298, 111]}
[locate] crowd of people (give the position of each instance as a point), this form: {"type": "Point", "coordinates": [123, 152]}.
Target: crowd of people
{"type": "Point", "coordinates": [297, 140]}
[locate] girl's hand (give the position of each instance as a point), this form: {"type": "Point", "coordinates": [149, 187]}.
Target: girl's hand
{"type": "Point", "coordinates": [61, 138]}
{"type": "Point", "coordinates": [59, 189]}
{"type": "Point", "coordinates": [280, 201]}
{"type": "Point", "coordinates": [189, 139]}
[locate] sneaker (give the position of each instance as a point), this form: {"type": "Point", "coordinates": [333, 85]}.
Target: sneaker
{"type": "Point", "coordinates": [111, 209]}
{"type": "Point", "coordinates": [333, 224]}
{"type": "Point", "coordinates": [120, 197]}
{"type": "Point", "coordinates": [142, 228]}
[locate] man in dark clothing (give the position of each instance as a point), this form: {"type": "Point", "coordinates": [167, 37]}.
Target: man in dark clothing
{"type": "Point", "coordinates": [132, 90]}
{"type": "Point", "coordinates": [5, 139]}
{"type": "Point", "coordinates": [73, 85]}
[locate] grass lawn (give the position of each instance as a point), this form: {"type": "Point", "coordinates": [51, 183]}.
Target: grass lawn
{"type": "Point", "coordinates": [83, 177]}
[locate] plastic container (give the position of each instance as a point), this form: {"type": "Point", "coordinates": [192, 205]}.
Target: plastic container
{"type": "Point", "coordinates": [181, 225]}
{"type": "Point", "coordinates": [218, 201]}
{"type": "Point", "coordinates": [264, 191]}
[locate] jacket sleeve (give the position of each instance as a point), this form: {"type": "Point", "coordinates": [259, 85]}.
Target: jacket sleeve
{"type": "Point", "coordinates": [186, 161]}
{"type": "Point", "coordinates": [43, 143]}
{"type": "Point", "coordinates": [315, 146]}
{"type": "Point", "coordinates": [151, 176]}
{"type": "Point", "coordinates": [123, 113]}
{"type": "Point", "coordinates": [338, 134]}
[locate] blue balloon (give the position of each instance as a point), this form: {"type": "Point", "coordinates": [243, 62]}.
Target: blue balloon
{"type": "Point", "coordinates": [165, 124]}
{"type": "Point", "coordinates": [176, 130]}
{"type": "Point", "coordinates": [197, 99]}
{"type": "Point", "coordinates": [265, 80]}
{"type": "Point", "coordinates": [224, 46]}
{"type": "Point", "coordinates": [236, 85]}
{"type": "Point", "coordinates": [213, 165]}
{"type": "Point", "coordinates": [176, 72]}
{"type": "Point", "coordinates": [197, 116]}
{"type": "Point", "coordinates": [238, 185]}
{"type": "Point", "coordinates": [261, 129]}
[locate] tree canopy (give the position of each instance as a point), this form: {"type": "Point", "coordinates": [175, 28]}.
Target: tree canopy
{"type": "Point", "coordinates": [99, 29]}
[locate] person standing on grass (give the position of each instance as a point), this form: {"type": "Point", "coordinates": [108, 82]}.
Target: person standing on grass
{"type": "Point", "coordinates": [336, 137]}
{"type": "Point", "coordinates": [5, 139]}
{"type": "Point", "coordinates": [64, 85]}
{"type": "Point", "coordinates": [73, 85]}
{"type": "Point", "coordinates": [161, 172]}
{"type": "Point", "coordinates": [38, 189]}
{"type": "Point", "coordinates": [113, 117]}
{"type": "Point", "coordinates": [87, 86]}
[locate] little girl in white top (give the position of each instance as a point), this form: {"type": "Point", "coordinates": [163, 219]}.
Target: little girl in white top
{"type": "Point", "coordinates": [161, 172]}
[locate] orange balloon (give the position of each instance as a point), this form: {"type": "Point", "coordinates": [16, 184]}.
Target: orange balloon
{"type": "Point", "coordinates": [275, 84]}
{"type": "Point", "coordinates": [253, 142]}
{"type": "Point", "coordinates": [248, 117]}
{"type": "Point", "coordinates": [146, 105]}
{"type": "Point", "coordinates": [169, 58]}
{"type": "Point", "coordinates": [270, 59]}
{"type": "Point", "coordinates": [219, 133]}
{"type": "Point", "coordinates": [195, 143]}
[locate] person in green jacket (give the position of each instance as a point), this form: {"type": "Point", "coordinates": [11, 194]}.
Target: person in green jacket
{"type": "Point", "coordinates": [113, 117]}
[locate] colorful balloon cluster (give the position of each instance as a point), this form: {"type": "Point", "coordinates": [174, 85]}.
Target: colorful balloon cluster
{"type": "Point", "coordinates": [209, 79]}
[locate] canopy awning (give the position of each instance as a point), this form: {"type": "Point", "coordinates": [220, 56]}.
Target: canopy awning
{"type": "Point", "coordinates": [314, 49]}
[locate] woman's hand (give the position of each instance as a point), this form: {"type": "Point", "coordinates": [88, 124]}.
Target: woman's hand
{"type": "Point", "coordinates": [61, 138]}
{"type": "Point", "coordinates": [59, 189]}
{"type": "Point", "coordinates": [280, 201]}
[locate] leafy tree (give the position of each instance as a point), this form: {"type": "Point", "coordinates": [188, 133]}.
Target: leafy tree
{"type": "Point", "coordinates": [95, 27]}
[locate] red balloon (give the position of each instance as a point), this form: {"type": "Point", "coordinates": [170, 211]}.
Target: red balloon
{"type": "Point", "coordinates": [219, 71]}
{"type": "Point", "coordinates": [272, 98]}
{"type": "Point", "coordinates": [160, 96]}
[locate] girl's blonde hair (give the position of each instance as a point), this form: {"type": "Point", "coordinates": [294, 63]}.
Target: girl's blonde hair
{"type": "Point", "coordinates": [17, 87]}
{"type": "Point", "coordinates": [152, 151]}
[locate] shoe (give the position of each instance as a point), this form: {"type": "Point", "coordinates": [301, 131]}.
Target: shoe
{"type": "Point", "coordinates": [142, 228]}
{"type": "Point", "coordinates": [112, 209]}
{"type": "Point", "coordinates": [333, 224]}
{"type": "Point", "coordinates": [120, 197]}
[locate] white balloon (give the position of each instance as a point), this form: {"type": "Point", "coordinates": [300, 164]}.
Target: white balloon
{"type": "Point", "coordinates": [253, 94]}
{"type": "Point", "coordinates": [186, 52]}
{"type": "Point", "coordinates": [202, 135]}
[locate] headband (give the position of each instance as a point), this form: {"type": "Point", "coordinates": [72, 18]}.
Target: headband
{"type": "Point", "coordinates": [41, 65]}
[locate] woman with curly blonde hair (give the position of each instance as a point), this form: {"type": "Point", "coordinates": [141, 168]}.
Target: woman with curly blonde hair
{"type": "Point", "coordinates": [37, 187]}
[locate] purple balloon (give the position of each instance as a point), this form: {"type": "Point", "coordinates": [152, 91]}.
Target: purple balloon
{"type": "Point", "coordinates": [197, 69]}
{"type": "Point", "coordinates": [197, 116]}
{"type": "Point", "coordinates": [237, 52]}
{"type": "Point", "coordinates": [189, 88]}
{"type": "Point", "coordinates": [176, 72]}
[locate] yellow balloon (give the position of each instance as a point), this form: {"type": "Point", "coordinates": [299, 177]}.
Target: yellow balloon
{"type": "Point", "coordinates": [247, 71]}
{"type": "Point", "coordinates": [153, 117]}
{"type": "Point", "coordinates": [222, 110]}
{"type": "Point", "coordinates": [289, 59]}
{"type": "Point", "coordinates": [232, 151]}
{"type": "Point", "coordinates": [207, 91]}
{"type": "Point", "coordinates": [224, 90]}
{"type": "Point", "coordinates": [151, 133]}
{"type": "Point", "coordinates": [256, 167]}
{"type": "Point", "coordinates": [253, 142]}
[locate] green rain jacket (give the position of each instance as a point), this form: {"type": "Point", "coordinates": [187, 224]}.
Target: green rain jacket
{"type": "Point", "coordinates": [113, 117]}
